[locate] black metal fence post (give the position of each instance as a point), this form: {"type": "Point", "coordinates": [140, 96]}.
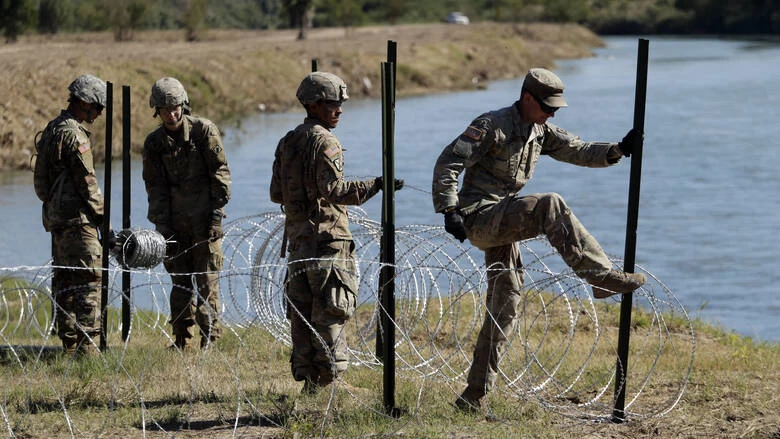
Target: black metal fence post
{"type": "Point", "coordinates": [126, 205]}
{"type": "Point", "coordinates": [391, 58]}
{"type": "Point", "coordinates": [387, 244]}
{"type": "Point", "coordinates": [106, 215]}
{"type": "Point", "coordinates": [621, 372]}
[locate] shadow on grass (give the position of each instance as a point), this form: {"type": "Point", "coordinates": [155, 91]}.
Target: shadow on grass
{"type": "Point", "coordinates": [261, 420]}
{"type": "Point", "coordinates": [13, 354]}
{"type": "Point", "coordinates": [277, 416]}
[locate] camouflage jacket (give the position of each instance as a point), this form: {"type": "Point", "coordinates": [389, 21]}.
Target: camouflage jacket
{"type": "Point", "coordinates": [187, 177]}
{"type": "Point", "coordinates": [64, 176]}
{"type": "Point", "coordinates": [499, 153]}
{"type": "Point", "coordinates": [308, 181]}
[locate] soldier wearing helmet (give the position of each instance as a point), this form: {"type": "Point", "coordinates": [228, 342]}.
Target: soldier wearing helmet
{"type": "Point", "coordinates": [188, 185]}
{"type": "Point", "coordinates": [65, 181]}
{"type": "Point", "coordinates": [308, 181]}
{"type": "Point", "coordinates": [497, 153]}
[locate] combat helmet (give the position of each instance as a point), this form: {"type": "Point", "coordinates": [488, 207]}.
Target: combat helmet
{"type": "Point", "coordinates": [318, 86]}
{"type": "Point", "coordinates": [168, 92]}
{"type": "Point", "coordinates": [89, 89]}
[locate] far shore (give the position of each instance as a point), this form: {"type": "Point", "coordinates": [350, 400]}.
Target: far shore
{"type": "Point", "coordinates": [232, 73]}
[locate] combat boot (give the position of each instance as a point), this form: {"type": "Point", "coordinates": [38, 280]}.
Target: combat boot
{"type": "Point", "coordinates": [470, 401]}
{"type": "Point", "coordinates": [310, 387]}
{"type": "Point", "coordinates": [180, 343]}
{"type": "Point", "coordinates": [615, 282]}
{"type": "Point", "coordinates": [205, 341]}
{"type": "Point", "coordinates": [69, 347]}
{"type": "Point", "coordinates": [87, 349]}
{"type": "Point", "coordinates": [473, 403]}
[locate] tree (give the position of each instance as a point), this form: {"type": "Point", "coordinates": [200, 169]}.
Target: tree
{"type": "Point", "coordinates": [563, 11]}
{"type": "Point", "coordinates": [194, 18]}
{"type": "Point", "coordinates": [300, 14]}
{"type": "Point", "coordinates": [15, 17]}
{"type": "Point", "coordinates": [346, 13]}
{"type": "Point", "coordinates": [394, 10]}
{"type": "Point", "coordinates": [54, 15]}
{"type": "Point", "coordinates": [125, 16]}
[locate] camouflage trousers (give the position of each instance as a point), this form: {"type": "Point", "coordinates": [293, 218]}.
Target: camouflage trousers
{"type": "Point", "coordinates": [497, 231]}
{"type": "Point", "coordinates": [76, 282]}
{"type": "Point", "coordinates": [194, 262]}
{"type": "Point", "coordinates": [321, 296]}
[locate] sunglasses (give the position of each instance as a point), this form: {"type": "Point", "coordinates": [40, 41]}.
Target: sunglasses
{"type": "Point", "coordinates": [332, 103]}
{"type": "Point", "coordinates": [544, 107]}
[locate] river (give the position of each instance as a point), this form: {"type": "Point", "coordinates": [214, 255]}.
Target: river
{"type": "Point", "coordinates": [710, 203]}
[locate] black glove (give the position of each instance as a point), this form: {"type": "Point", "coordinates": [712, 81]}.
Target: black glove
{"type": "Point", "coordinates": [109, 238]}
{"type": "Point", "coordinates": [453, 224]}
{"type": "Point", "coordinates": [215, 228]}
{"type": "Point", "coordinates": [164, 230]}
{"type": "Point", "coordinates": [631, 141]}
{"type": "Point", "coordinates": [379, 184]}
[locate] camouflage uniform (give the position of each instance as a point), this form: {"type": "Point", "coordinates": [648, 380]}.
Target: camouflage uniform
{"type": "Point", "coordinates": [188, 185]}
{"type": "Point", "coordinates": [498, 153]}
{"type": "Point", "coordinates": [321, 291]}
{"type": "Point", "coordinates": [72, 210]}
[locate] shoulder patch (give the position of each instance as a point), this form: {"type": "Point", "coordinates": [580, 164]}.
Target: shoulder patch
{"type": "Point", "coordinates": [473, 133]}
{"type": "Point", "coordinates": [332, 150]}
{"type": "Point", "coordinates": [84, 147]}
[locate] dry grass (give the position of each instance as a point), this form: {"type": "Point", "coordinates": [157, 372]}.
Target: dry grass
{"type": "Point", "coordinates": [244, 383]}
{"type": "Point", "coordinates": [233, 73]}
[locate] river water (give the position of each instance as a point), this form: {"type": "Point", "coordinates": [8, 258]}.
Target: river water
{"type": "Point", "coordinates": [710, 202]}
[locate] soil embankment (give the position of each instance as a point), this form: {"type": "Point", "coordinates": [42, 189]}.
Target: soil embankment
{"type": "Point", "coordinates": [234, 73]}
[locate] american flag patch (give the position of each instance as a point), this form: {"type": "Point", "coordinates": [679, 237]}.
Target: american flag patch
{"type": "Point", "coordinates": [332, 150]}
{"type": "Point", "coordinates": [84, 147]}
{"type": "Point", "coordinates": [473, 132]}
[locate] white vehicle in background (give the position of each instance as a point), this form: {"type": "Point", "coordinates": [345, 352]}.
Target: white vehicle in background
{"type": "Point", "coordinates": [457, 18]}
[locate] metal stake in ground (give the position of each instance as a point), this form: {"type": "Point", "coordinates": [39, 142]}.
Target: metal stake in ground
{"type": "Point", "coordinates": [621, 370]}
{"type": "Point", "coordinates": [126, 287]}
{"type": "Point", "coordinates": [387, 244]}
{"type": "Point", "coordinates": [106, 214]}
{"type": "Point", "coordinates": [391, 59]}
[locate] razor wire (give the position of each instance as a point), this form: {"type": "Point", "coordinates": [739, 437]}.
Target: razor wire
{"type": "Point", "coordinates": [555, 355]}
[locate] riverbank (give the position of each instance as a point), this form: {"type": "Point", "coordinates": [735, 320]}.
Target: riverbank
{"type": "Point", "coordinates": [236, 73]}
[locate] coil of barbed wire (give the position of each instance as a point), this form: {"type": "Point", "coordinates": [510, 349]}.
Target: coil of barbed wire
{"type": "Point", "coordinates": [439, 297]}
{"type": "Point", "coordinates": [139, 248]}
{"type": "Point", "coordinates": [555, 354]}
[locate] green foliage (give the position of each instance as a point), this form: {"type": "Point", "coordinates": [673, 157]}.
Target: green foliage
{"type": "Point", "coordinates": [346, 13]}
{"type": "Point", "coordinates": [394, 10]}
{"type": "Point", "coordinates": [195, 18]}
{"type": "Point", "coordinates": [299, 15]}
{"type": "Point", "coordinates": [15, 17]}
{"type": "Point", "coordinates": [54, 15]}
{"type": "Point", "coordinates": [90, 16]}
{"type": "Point", "coordinates": [125, 16]}
{"type": "Point", "coordinates": [721, 16]}
{"type": "Point", "coordinates": [245, 14]}
{"type": "Point", "coordinates": [565, 11]}
{"type": "Point", "coordinates": [602, 16]}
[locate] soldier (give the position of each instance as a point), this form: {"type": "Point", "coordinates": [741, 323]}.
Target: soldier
{"type": "Point", "coordinates": [308, 181]}
{"type": "Point", "coordinates": [72, 212]}
{"type": "Point", "coordinates": [498, 152]}
{"type": "Point", "coordinates": [188, 185]}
